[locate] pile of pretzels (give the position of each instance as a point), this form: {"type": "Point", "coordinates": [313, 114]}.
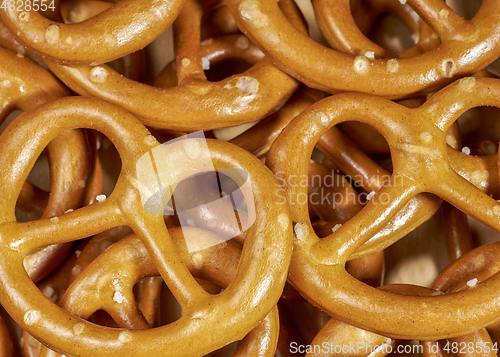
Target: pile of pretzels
{"type": "Point", "coordinates": [131, 226]}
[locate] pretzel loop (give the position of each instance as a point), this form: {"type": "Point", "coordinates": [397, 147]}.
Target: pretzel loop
{"type": "Point", "coordinates": [258, 282]}
{"type": "Point", "coordinates": [264, 22]}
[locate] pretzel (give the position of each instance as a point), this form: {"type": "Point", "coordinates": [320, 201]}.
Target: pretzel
{"type": "Point", "coordinates": [147, 289]}
{"type": "Point", "coordinates": [125, 206]}
{"type": "Point", "coordinates": [125, 28]}
{"type": "Point", "coordinates": [467, 46]}
{"type": "Point", "coordinates": [218, 22]}
{"type": "Point", "coordinates": [480, 264]}
{"type": "Point", "coordinates": [247, 97]}
{"type": "Point", "coordinates": [132, 65]}
{"type": "Point", "coordinates": [417, 139]}
{"type": "Point", "coordinates": [215, 51]}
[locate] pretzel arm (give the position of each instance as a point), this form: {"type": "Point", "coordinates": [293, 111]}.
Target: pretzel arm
{"type": "Point", "coordinates": [241, 108]}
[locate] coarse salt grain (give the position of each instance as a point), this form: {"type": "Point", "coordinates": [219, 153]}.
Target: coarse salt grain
{"type": "Point", "coordinates": [370, 54]}
{"type": "Point", "coordinates": [118, 297]}
{"type": "Point", "coordinates": [472, 282]}
{"type": "Point", "coordinates": [100, 198]}
{"type": "Point", "coordinates": [205, 63]}
{"type": "Point", "coordinates": [336, 227]}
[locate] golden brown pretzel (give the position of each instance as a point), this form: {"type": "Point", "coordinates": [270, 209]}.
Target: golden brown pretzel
{"type": "Point", "coordinates": [53, 287]}
{"type": "Point", "coordinates": [464, 273]}
{"type": "Point", "coordinates": [125, 28]}
{"type": "Point", "coordinates": [467, 46]}
{"type": "Point", "coordinates": [417, 138]}
{"type": "Point", "coordinates": [246, 97]}
{"type": "Point", "coordinates": [262, 255]}
{"type": "Point", "coordinates": [218, 22]}
{"type": "Point", "coordinates": [340, 339]}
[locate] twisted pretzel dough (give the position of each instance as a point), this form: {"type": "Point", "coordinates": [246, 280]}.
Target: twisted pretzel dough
{"type": "Point", "coordinates": [258, 281]}
{"type": "Point", "coordinates": [339, 21]}
{"type": "Point", "coordinates": [421, 164]}
{"type": "Point", "coordinates": [24, 86]}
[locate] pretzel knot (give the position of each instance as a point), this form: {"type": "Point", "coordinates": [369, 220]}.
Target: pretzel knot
{"type": "Point", "coordinates": [249, 298]}
{"type": "Point", "coordinates": [417, 140]}
{"type": "Point", "coordinates": [467, 46]}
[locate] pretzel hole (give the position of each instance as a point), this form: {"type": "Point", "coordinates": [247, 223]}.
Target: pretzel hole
{"type": "Point", "coordinates": [418, 257]}
{"type": "Point", "coordinates": [12, 330]}
{"type": "Point", "coordinates": [480, 233]}
{"type": "Point", "coordinates": [339, 188]}
{"type": "Point", "coordinates": [480, 130]}
{"type": "Point", "coordinates": [101, 317]}
{"type": "Point", "coordinates": [390, 33]}
{"type": "Point", "coordinates": [211, 201]}
{"type": "Point", "coordinates": [367, 138]}
{"type": "Point", "coordinates": [171, 312]}
{"type": "Point", "coordinates": [386, 24]}
{"type": "Point", "coordinates": [221, 70]}
{"type": "Point", "coordinates": [466, 9]}
{"type": "Point", "coordinates": [111, 163]}
{"type": "Point", "coordinates": [31, 204]}
{"type": "Point", "coordinates": [301, 319]}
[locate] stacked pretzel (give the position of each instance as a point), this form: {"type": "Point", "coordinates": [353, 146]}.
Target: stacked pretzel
{"type": "Point", "coordinates": [276, 239]}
